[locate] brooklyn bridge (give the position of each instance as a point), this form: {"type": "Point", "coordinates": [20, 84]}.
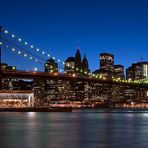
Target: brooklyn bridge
{"type": "Point", "coordinates": [69, 80]}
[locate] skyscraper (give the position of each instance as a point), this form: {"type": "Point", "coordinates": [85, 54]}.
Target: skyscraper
{"type": "Point", "coordinates": [85, 65]}
{"type": "Point", "coordinates": [107, 62]}
{"type": "Point", "coordinates": [106, 66]}
{"type": "Point", "coordinates": [78, 63]}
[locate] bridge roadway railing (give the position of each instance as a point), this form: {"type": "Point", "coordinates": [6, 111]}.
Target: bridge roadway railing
{"type": "Point", "coordinates": [62, 76]}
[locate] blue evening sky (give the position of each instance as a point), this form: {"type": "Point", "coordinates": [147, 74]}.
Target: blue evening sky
{"type": "Point", "coordinates": [59, 26]}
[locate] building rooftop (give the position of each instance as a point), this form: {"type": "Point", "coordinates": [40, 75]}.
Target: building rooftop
{"type": "Point", "coordinates": [106, 54]}
{"type": "Point", "coordinates": [118, 65]}
{"type": "Point", "coordinates": [70, 59]}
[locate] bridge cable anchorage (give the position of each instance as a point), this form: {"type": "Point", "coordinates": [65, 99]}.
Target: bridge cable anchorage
{"type": "Point", "coordinates": [31, 46]}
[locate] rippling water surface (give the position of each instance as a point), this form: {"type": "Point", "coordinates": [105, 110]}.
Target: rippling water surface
{"type": "Point", "coordinates": [83, 129]}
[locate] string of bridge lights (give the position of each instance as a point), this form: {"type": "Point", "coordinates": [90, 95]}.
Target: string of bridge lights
{"type": "Point", "coordinates": [23, 54]}
{"type": "Point", "coordinates": [20, 40]}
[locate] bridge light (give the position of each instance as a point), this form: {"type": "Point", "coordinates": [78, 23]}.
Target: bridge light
{"type": "Point", "coordinates": [58, 60]}
{"type": "Point", "coordinates": [30, 58]}
{"type": "Point", "coordinates": [74, 75]}
{"type": "Point", "coordinates": [13, 67]}
{"type": "Point", "coordinates": [6, 31]}
{"type": "Point", "coordinates": [13, 49]}
{"type": "Point", "coordinates": [26, 43]}
{"type": "Point", "coordinates": [0, 43]}
{"type": "Point", "coordinates": [63, 63]}
{"type": "Point", "coordinates": [25, 55]}
{"type": "Point", "coordinates": [19, 52]}
{"type": "Point", "coordinates": [43, 52]}
{"type": "Point", "coordinates": [37, 49]}
{"type": "Point", "coordinates": [19, 39]}
{"type": "Point", "coordinates": [36, 60]}
{"type": "Point", "coordinates": [60, 70]}
{"type": "Point", "coordinates": [35, 69]}
{"type": "Point", "coordinates": [53, 58]}
{"type": "Point", "coordinates": [31, 46]}
{"type": "Point", "coordinates": [48, 55]}
{"type": "Point", "coordinates": [13, 35]}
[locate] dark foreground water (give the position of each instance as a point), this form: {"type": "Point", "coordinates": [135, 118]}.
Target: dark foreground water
{"type": "Point", "coordinates": [85, 129]}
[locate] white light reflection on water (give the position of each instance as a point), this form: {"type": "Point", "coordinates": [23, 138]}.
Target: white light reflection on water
{"type": "Point", "coordinates": [75, 130]}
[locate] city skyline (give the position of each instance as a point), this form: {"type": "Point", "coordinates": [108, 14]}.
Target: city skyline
{"type": "Point", "coordinates": [62, 26]}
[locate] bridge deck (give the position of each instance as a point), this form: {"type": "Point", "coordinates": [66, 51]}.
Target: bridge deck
{"type": "Point", "coordinates": [59, 76]}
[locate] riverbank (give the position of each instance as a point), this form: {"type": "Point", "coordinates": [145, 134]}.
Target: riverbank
{"type": "Point", "coordinates": [130, 105]}
{"type": "Point", "coordinates": [51, 109]}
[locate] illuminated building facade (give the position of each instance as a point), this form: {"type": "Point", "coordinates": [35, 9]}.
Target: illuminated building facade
{"type": "Point", "coordinates": [70, 66]}
{"type": "Point", "coordinates": [137, 71]}
{"type": "Point", "coordinates": [106, 69]}
{"type": "Point", "coordinates": [6, 67]}
{"type": "Point", "coordinates": [107, 63]}
{"type": "Point", "coordinates": [75, 66]}
{"type": "Point", "coordinates": [51, 66]}
{"type": "Point", "coordinates": [51, 86]}
{"type": "Point", "coordinates": [130, 73]}
{"type": "Point", "coordinates": [16, 99]}
{"type": "Point", "coordinates": [119, 72]}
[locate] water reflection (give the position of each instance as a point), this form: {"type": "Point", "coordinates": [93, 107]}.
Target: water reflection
{"type": "Point", "coordinates": [75, 130]}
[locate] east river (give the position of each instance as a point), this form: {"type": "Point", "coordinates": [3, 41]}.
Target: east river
{"type": "Point", "coordinates": [79, 129]}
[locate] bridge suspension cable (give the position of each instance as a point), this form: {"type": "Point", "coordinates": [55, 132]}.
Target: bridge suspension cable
{"type": "Point", "coordinates": [38, 50]}
{"type": "Point", "coordinates": [20, 40]}
{"type": "Point", "coordinates": [25, 53]}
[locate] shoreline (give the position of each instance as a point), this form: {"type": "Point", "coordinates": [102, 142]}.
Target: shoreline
{"type": "Point", "coordinates": [43, 109]}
